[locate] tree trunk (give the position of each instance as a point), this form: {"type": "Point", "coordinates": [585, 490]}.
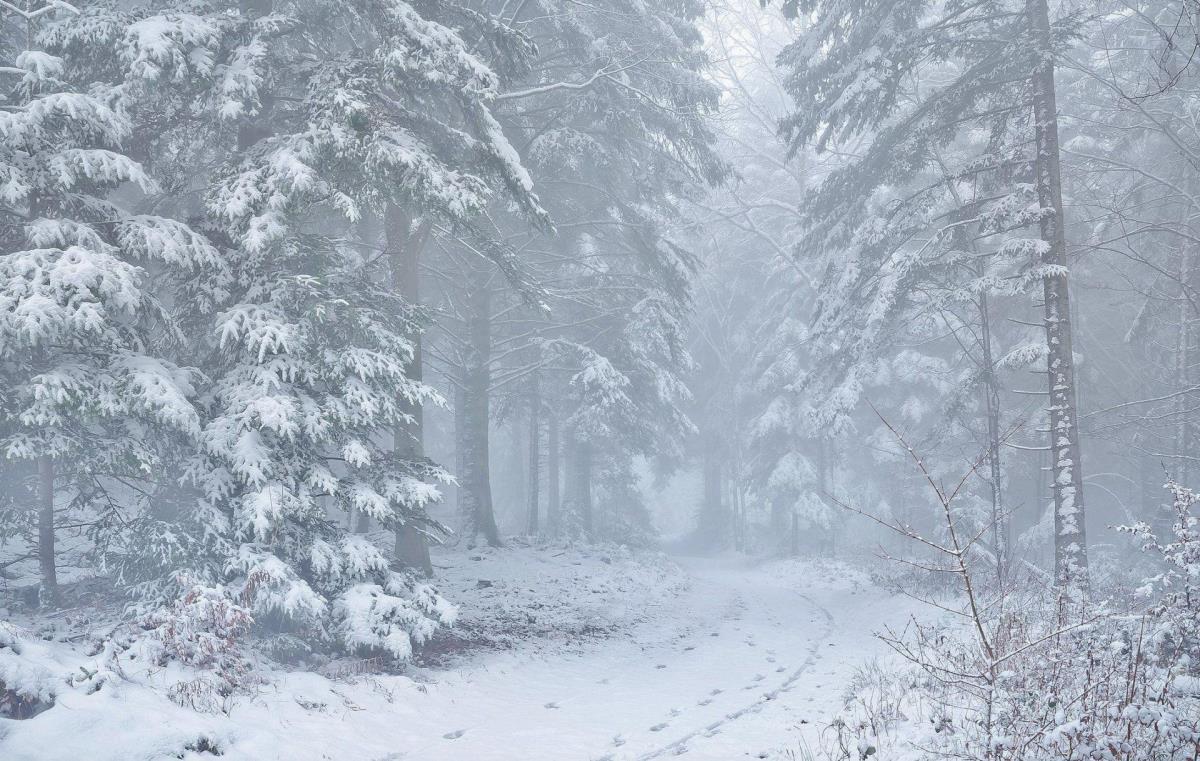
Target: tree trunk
{"type": "Point", "coordinates": [991, 390]}
{"type": "Point", "coordinates": [463, 495]}
{"type": "Point", "coordinates": [476, 392]}
{"type": "Point", "coordinates": [46, 557]}
{"type": "Point", "coordinates": [1070, 540]}
{"type": "Point", "coordinates": [1183, 357]}
{"type": "Point", "coordinates": [714, 523]}
{"type": "Point", "coordinates": [408, 439]}
{"type": "Point", "coordinates": [535, 408]}
{"type": "Point", "coordinates": [779, 521]}
{"type": "Point", "coordinates": [580, 487]}
{"type": "Point", "coordinates": [553, 500]}
{"type": "Point", "coordinates": [795, 533]}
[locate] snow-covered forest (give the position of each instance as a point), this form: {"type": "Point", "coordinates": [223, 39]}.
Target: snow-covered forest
{"type": "Point", "coordinates": [490, 380]}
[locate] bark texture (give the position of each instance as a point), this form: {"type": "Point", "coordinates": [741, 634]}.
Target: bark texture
{"type": "Point", "coordinates": [404, 244]}
{"type": "Point", "coordinates": [1070, 545]}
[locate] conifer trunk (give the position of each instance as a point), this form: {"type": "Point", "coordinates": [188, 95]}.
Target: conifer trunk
{"type": "Point", "coordinates": [1070, 541]}
{"type": "Point", "coordinates": [408, 439]}
{"type": "Point", "coordinates": [795, 533]}
{"type": "Point", "coordinates": [535, 404]}
{"type": "Point", "coordinates": [991, 389]}
{"type": "Point", "coordinates": [553, 499]}
{"type": "Point", "coordinates": [477, 409]}
{"type": "Point", "coordinates": [1183, 358]}
{"type": "Point", "coordinates": [714, 523]}
{"type": "Point", "coordinates": [463, 494]}
{"type": "Point", "coordinates": [580, 473]}
{"type": "Point", "coordinates": [46, 552]}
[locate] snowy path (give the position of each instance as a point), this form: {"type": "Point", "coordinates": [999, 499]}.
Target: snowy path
{"type": "Point", "coordinates": [741, 661]}
{"type": "Point", "coordinates": [746, 662]}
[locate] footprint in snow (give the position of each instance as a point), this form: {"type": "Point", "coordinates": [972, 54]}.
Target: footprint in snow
{"type": "Point", "coordinates": [551, 704]}
{"type": "Point", "coordinates": [661, 666]}
{"type": "Point", "coordinates": [618, 741]}
{"type": "Point", "coordinates": [659, 727]}
{"type": "Point", "coordinates": [759, 677]}
{"type": "Point", "coordinates": [781, 669]}
{"type": "Point", "coordinates": [675, 712]}
{"type": "Point", "coordinates": [770, 659]}
{"type": "Point", "coordinates": [717, 691]}
{"type": "Point", "coordinates": [705, 702]}
{"type": "Point", "coordinates": [455, 734]}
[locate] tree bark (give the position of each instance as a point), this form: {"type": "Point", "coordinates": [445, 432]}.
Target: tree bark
{"type": "Point", "coordinates": [1183, 357]}
{"type": "Point", "coordinates": [46, 554]}
{"type": "Point", "coordinates": [991, 390]}
{"type": "Point", "coordinates": [535, 408]}
{"type": "Point", "coordinates": [477, 391]}
{"type": "Point", "coordinates": [1070, 540]}
{"type": "Point", "coordinates": [463, 494]}
{"type": "Point", "coordinates": [714, 523]}
{"type": "Point", "coordinates": [795, 543]}
{"type": "Point", "coordinates": [408, 439]}
{"type": "Point", "coordinates": [779, 521]}
{"type": "Point", "coordinates": [553, 499]}
{"type": "Point", "coordinates": [581, 484]}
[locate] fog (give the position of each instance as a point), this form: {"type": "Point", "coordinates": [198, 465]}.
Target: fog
{"type": "Point", "coordinates": [599, 379]}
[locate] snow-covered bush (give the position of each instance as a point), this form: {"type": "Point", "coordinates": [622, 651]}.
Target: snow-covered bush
{"type": "Point", "coordinates": [26, 687]}
{"type": "Point", "coordinates": [391, 618]}
{"type": "Point", "coordinates": [1030, 676]}
{"type": "Point", "coordinates": [202, 630]}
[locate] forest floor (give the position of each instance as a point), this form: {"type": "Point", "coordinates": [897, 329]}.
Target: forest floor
{"type": "Point", "coordinates": [561, 653]}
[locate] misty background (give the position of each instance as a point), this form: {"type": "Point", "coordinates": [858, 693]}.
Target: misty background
{"type": "Point", "coordinates": [388, 353]}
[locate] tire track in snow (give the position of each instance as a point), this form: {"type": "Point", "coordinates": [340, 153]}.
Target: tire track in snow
{"type": "Point", "coordinates": [679, 744]}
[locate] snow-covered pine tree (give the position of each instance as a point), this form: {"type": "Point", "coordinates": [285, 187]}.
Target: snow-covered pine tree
{"type": "Point", "coordinates": [912, 81]}
{"type": "Point", "coordinates": [304, 126]}
{"type": "Point", "coordinates": [88, 392]}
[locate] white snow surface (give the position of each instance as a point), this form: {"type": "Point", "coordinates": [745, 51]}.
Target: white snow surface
{"type": "Point", "coordinates": [560, 653]}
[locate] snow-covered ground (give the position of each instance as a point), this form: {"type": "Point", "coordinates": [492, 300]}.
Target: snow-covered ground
{"type": "Point", "coordinates": [560, 654]}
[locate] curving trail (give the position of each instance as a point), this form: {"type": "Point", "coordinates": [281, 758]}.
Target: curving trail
{"type": "Point", "coordinates": [680, 744]}
{"type": "Point", "coordinates": [751, 661]}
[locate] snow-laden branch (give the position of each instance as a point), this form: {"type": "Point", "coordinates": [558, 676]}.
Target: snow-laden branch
{"type": "Point", "coordinates": [47, 8]}
{"type": "Point", "coordinates": [604, 73]}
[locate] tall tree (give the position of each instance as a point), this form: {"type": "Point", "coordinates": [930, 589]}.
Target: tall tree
{"type": "Point", "coordinates": [914, 80]}
{"type": "Point", "coordinates": [303, 125]}
{"type": "Point", "coordinates": [89, 392]}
